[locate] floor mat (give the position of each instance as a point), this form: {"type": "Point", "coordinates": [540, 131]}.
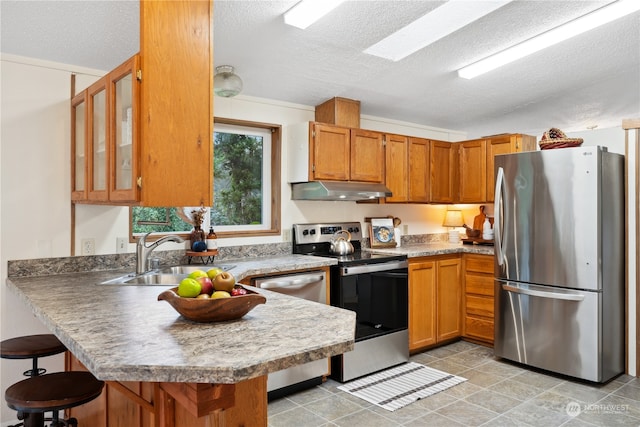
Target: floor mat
{"type": "Point", "coordinates": [397, 387]}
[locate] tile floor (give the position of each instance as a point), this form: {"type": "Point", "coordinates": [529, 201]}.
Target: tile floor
{"type": "Point", "coordinates": [497, 393]}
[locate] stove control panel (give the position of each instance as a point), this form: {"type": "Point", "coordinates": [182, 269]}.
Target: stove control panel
{"type": "Point", "coordinates": [323, 232]}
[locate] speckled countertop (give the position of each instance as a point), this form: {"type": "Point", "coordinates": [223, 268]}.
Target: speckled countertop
{"type": "Point", "coordinates": [414, 250]}
{"type": "Point", "coordinates": [123, 333]}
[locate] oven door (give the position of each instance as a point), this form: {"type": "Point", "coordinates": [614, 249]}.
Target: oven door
{"type": "Point", "coordinates": [378, 293]}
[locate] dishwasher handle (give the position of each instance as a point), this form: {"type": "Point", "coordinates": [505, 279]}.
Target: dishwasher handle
{"type": "Point", "coordinates": [291, 283]}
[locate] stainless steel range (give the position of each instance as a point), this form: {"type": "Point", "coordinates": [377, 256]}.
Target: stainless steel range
{"type": "Point", "coordinates": [373, 285]}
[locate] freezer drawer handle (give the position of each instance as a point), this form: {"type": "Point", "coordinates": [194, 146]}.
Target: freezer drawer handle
{"type": "Point", "coordinates": [544, 294]}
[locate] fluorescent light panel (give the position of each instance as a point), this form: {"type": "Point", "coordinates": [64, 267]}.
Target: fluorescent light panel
{"type": "Point", "coordinates": [307, 12]}
{"type": "Point", "coordinates": [573, 28]}
{"type": "Point", "coordinates": [433, 26]}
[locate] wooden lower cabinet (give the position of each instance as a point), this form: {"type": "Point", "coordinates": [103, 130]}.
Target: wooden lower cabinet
{"type": "Point", "coordinates": [149, 404]}
{"type": "Point", "coordinates": [478, 310]}
{"type": "Point", "coordinates": [435, 298]}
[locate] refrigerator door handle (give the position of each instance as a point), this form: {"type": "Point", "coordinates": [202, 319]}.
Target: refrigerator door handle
{"type": "Point", "coordinates": [498, 226]}
{"type": "Point", "coordinates": [545, 294]}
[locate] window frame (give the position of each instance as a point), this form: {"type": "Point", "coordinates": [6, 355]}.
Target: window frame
{"type": "Point", "coordinates": [272, 229]}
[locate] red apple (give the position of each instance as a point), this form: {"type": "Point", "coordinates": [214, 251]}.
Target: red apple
{"type": "Point", "coordinates": [238, 290]}
{"type": "Point", "coordinates": [207, 285]}
{"type": "Point", "coordinates": [224, 281]}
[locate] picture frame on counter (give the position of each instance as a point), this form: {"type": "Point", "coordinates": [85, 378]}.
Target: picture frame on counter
{"type": "Point", "coordinates": [381, 233]}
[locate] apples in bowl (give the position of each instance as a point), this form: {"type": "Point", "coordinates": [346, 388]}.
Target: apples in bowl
{"type": "Point", "coordinates": [200, 298]}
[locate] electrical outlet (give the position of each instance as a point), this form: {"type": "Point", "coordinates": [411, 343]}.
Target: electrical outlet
{"type": "Point", "coordinates": [121, 245]}
{"type": "Point", "coordinates": [286, 235]}
{"type": "Point", "coordinates": [405, 229]}
{"type": "Point", "coordinates": [88, 246]}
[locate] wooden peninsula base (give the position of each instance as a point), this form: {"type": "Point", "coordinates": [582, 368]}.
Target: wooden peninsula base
{"type": "Point", "coordinates": [143, 404]}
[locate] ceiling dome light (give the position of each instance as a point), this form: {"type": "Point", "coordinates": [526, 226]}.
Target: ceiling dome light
{"type": "Point", "coordinates": [226, 83]}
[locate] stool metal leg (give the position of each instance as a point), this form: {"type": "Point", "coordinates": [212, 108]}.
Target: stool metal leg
{"type": "Point", "coordinates": [34, 419]}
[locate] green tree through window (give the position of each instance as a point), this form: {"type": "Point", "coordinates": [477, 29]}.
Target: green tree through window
{"type": "Point", "coordinates": [238, 179]}
{"type": "Point", "coordinates": [246, 186]}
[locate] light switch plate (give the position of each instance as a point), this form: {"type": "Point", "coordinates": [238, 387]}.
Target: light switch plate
{"type": "Point", "coordinates": [121, 245]}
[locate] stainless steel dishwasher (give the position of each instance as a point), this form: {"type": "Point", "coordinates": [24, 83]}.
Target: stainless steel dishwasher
{"type": "Point", "coordinates": [311, 286]}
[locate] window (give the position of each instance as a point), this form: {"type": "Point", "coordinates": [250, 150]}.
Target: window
{"type": "Point", "coordinates": [246, 186]}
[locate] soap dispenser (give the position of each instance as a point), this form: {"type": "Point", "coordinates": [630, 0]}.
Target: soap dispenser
{"type": "Point", "coordinates": [487, 231]}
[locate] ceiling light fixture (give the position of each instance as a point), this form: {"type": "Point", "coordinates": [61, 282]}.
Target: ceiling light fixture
{"type": "Point", "coordinates": [580, 25]}
{"type": "Point", "coordinates": [307, 12]}
{"type": "Point", "coordinates": [225, 82]}
{"type": "Point", "coordinates": [433, 26]}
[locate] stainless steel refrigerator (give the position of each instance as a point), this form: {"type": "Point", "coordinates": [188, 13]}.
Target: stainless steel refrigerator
{"type": "Point", "coordinates": [559, 261]}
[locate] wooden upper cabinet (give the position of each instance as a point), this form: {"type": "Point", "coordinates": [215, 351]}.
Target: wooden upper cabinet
{"type": "Point", "coordinates": [396, 162]}
{"type": "Point", "coordinates": [331, 152]}
{"type": "Point", "coordinates": [504, 144]}
{"type": "Point", "coordinates": [443, 169]}
{"type": "Point", "coordinates": [342, 154]}
{"type": "Point", "coordinates": [418, 170]}
{"type": "Point", "coordinates": [367, 156]}
{"type": "Point", "coordinates": [473, 171]}
{"type": "Point", "coordinates": [105, 127]}
{"type": "Point", "coordinates": [176, 52]}
{"type": "Point", "coordinates": [149, 123]}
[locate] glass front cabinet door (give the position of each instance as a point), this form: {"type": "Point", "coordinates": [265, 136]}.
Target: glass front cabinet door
{"type": "Point", "coordinates": [124, 93]}
{"type": "Point", "coordinates": [98, 162]}
{"type": "Point", "coordinates": [79, 147]}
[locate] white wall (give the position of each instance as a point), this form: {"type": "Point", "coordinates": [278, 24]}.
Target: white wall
{"type": "Point", "coordinates": [35, 185]}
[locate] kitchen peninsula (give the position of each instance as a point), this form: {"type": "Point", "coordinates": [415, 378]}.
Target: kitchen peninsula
{"type": "Point", "coordinates": [163, 370]}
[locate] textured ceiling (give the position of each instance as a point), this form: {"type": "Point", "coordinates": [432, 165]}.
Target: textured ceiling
{"type": "Point", "coordinates": [592, 79]}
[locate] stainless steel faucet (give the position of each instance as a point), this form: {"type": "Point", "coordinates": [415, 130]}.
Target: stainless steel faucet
{"type": "Point", "coordinates": [143, 251]}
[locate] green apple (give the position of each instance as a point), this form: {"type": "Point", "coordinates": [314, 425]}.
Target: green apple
{"type": "Point", "coordinates": [213, 272]}
{"type": "Point", "coordinates": [197, 273]}
{"type": "Point", "coordinates": [189, 288]}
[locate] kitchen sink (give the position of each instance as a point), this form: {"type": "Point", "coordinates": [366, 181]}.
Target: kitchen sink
{"type": "Point", "coordinates": [163, 277]}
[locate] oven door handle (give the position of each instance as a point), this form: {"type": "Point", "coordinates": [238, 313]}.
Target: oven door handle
{"type": "Point", "coordinates": [372, 268]}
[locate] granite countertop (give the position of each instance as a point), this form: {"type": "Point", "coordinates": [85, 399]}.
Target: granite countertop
{"type": "Point", "coordinates": [414, 250]}
{"type": "Point", "coordinates": [123, 333]}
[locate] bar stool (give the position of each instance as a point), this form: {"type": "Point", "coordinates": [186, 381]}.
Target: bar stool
{"type": "Point", "coordinates": [31, 347]}
{"type": "Point", "coordinates": [52, 392]}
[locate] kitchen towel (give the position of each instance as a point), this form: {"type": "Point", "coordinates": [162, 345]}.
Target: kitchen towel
{"type": "Point", "coordinates": [397, 387]}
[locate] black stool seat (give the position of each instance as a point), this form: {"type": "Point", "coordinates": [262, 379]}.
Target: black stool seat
{"type": "Point", "coordinates": [53, 392]}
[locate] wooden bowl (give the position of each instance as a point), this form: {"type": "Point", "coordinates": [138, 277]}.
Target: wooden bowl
{"type": "Point", "coordinates": [212, 310]}
{"type": "Point", "coordinates": [473, 233]}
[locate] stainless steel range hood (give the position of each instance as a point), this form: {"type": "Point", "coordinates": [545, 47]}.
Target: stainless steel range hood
{"type": "Point", "coordinates": [338, 190]}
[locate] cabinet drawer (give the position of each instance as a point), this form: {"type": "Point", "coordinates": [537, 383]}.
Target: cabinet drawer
{"type": "Point", "coordinates": [479, 328]}
{"type": "Point", "coordinates": [479, 306]}
{"type": "Point", "coordinates": [480, 285]}
{"type": "Point", "coordinates": [479, 263]}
